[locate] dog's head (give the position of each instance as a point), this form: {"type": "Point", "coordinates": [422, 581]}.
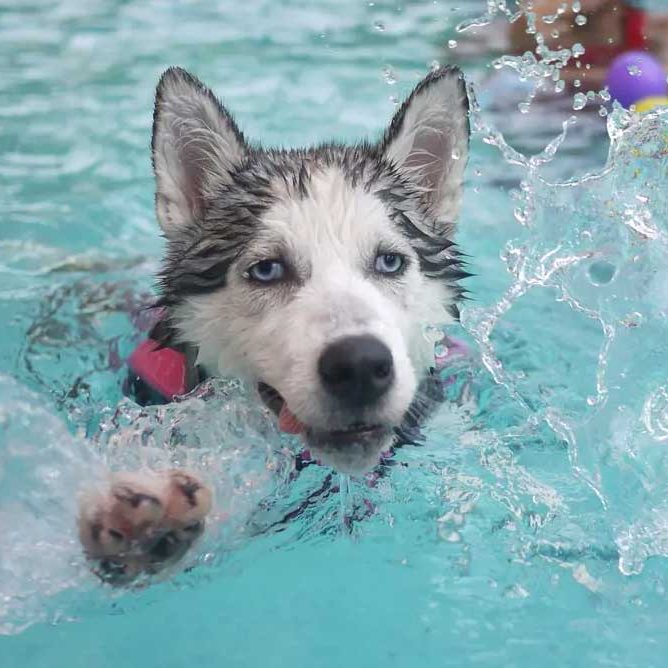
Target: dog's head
{"type": "Point", "coordinates": [316, 274]}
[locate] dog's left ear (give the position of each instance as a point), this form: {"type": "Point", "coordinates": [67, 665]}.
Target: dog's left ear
{"type": "Point", "coordinates": [196, 147]}
{"type": "Point", "coordinates": [428, 139]}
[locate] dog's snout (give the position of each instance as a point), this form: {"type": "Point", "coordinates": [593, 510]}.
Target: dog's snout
{"type": "Point", "coordinates": [357, 370]}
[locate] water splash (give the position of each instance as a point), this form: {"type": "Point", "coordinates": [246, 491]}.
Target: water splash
{"type": "Point", "coordinates": [40, 467]}
{"type": "Point", "coordinates": [43, 573]}
{"type": "Point", "coordinates": [598, 244]}
{"type": "Point", "coordinates": [570, 381]}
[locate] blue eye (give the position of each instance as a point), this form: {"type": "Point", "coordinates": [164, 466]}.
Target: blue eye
{"type": "Point", "coordinates": [389, 263]}
{"type": "Point", "coordinates": [267, 271]}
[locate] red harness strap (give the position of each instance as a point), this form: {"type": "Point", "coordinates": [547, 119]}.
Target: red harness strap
{"type": "Point", "coordinates": [163, 369]}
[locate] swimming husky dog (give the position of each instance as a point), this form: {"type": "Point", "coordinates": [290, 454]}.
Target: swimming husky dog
{"type": "Point", "coordinates": [310, 273]}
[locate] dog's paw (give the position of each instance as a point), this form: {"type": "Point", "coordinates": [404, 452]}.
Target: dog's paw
{"type": "Point", "coordinates": [142, 522]}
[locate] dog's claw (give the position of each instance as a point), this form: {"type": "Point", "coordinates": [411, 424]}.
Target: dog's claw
{"type": "Point", "coordinates": [142, 523]}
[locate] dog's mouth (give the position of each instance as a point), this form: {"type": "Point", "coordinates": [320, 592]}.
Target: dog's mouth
{"type": "Point", "coordinates": [289, 423]}
{"type": "Point", "coordinates": [271, 398]}
{"type": "Point", "coordinates": [353, 449]}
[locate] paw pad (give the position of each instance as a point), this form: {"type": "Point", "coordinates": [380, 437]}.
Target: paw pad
{"type": "Point", "coordinates": [142, 522]}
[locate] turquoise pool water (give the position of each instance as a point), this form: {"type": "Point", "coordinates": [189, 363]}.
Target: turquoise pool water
{"type": "Point", "coordinates": [532, 525]}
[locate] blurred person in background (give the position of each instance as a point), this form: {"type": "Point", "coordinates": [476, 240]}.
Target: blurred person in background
{"type": "Point", "coordinates": [605, 28]}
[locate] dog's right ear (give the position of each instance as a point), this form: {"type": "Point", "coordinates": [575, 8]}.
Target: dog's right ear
{"type": "Point", "coordinates": [196, 145]}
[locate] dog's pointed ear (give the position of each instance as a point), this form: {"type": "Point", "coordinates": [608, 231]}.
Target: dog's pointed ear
{"type": "Point", "coordinates": [428, 139]}
{"type": "Point", "coordinates": [196, 145]}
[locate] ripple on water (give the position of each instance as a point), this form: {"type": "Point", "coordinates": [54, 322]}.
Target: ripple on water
{"type": "Point", "coordinates": [544, 481]}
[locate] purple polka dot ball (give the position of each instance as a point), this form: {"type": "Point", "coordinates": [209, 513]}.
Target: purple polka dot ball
{"type": "Point", "coordinates": [635, 75]}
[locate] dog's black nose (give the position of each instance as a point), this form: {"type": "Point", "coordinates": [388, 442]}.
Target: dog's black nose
{"type": "Point", "coordinates": [357, 370]}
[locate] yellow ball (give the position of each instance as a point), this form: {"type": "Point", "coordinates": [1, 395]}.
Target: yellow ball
{"type": "Point", "coordinates": [650, 104]}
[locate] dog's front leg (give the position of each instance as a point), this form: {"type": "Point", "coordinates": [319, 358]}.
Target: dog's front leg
{"type": "Point", "coordinates": [142, 522]}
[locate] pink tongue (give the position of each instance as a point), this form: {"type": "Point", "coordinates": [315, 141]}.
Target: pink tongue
{"type": "Point", "coordinates": [288, 422]}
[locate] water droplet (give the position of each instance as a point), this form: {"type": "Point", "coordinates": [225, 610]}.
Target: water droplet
{"type": "Point", "coordinates": [521, 215]}
{"type": "Point", "coordinates": [577, 50]}
{"type": "Point", "coordinates": [452, 43]}
{"type": "Point", "coordinates": [379, 26]}
{"type": "Point", "coordinates": [581, 19]}
{"type": "Point", "coordinates": [582, 576]}
{"type": "Point", "coordinates": [577, 83]}
{"type": "Point", "coordinates": [633, 320]}
{"type": "Point", "coordinates": [524, 107]}
{"type": "Point", "coordinates": [603, 112]}
{"type": "Point", "coordinates": [434, 65]}
{"type": "Point", "coordinates": [605, 95]}
{"type": "Point", "coordinates": [579, 101]}
{"type": "Point", "coordinates": [634, 70]}
{"type": "Point", "coordinates": [478, 172]}
{"type": "Point", "coordinates": [390, 75]}
{"type": "Point", "coordinates": [456, 154]}
{"type": "Point", "coordinates": [559, 86]}
{"type": "Point", "coordinates": [433, 334]}
{"type": "Point", "coordinates": [394, 100]}
{"type": "Point", "coordinates": [602, 272]}
{"type": "Point", "coordinates": [576, 6]}
{"type": "Point", "coordinates": [516, 591]}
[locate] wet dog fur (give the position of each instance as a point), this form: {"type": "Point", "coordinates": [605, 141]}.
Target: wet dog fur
{"type": "Point", "coordinates": [315, 275]}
